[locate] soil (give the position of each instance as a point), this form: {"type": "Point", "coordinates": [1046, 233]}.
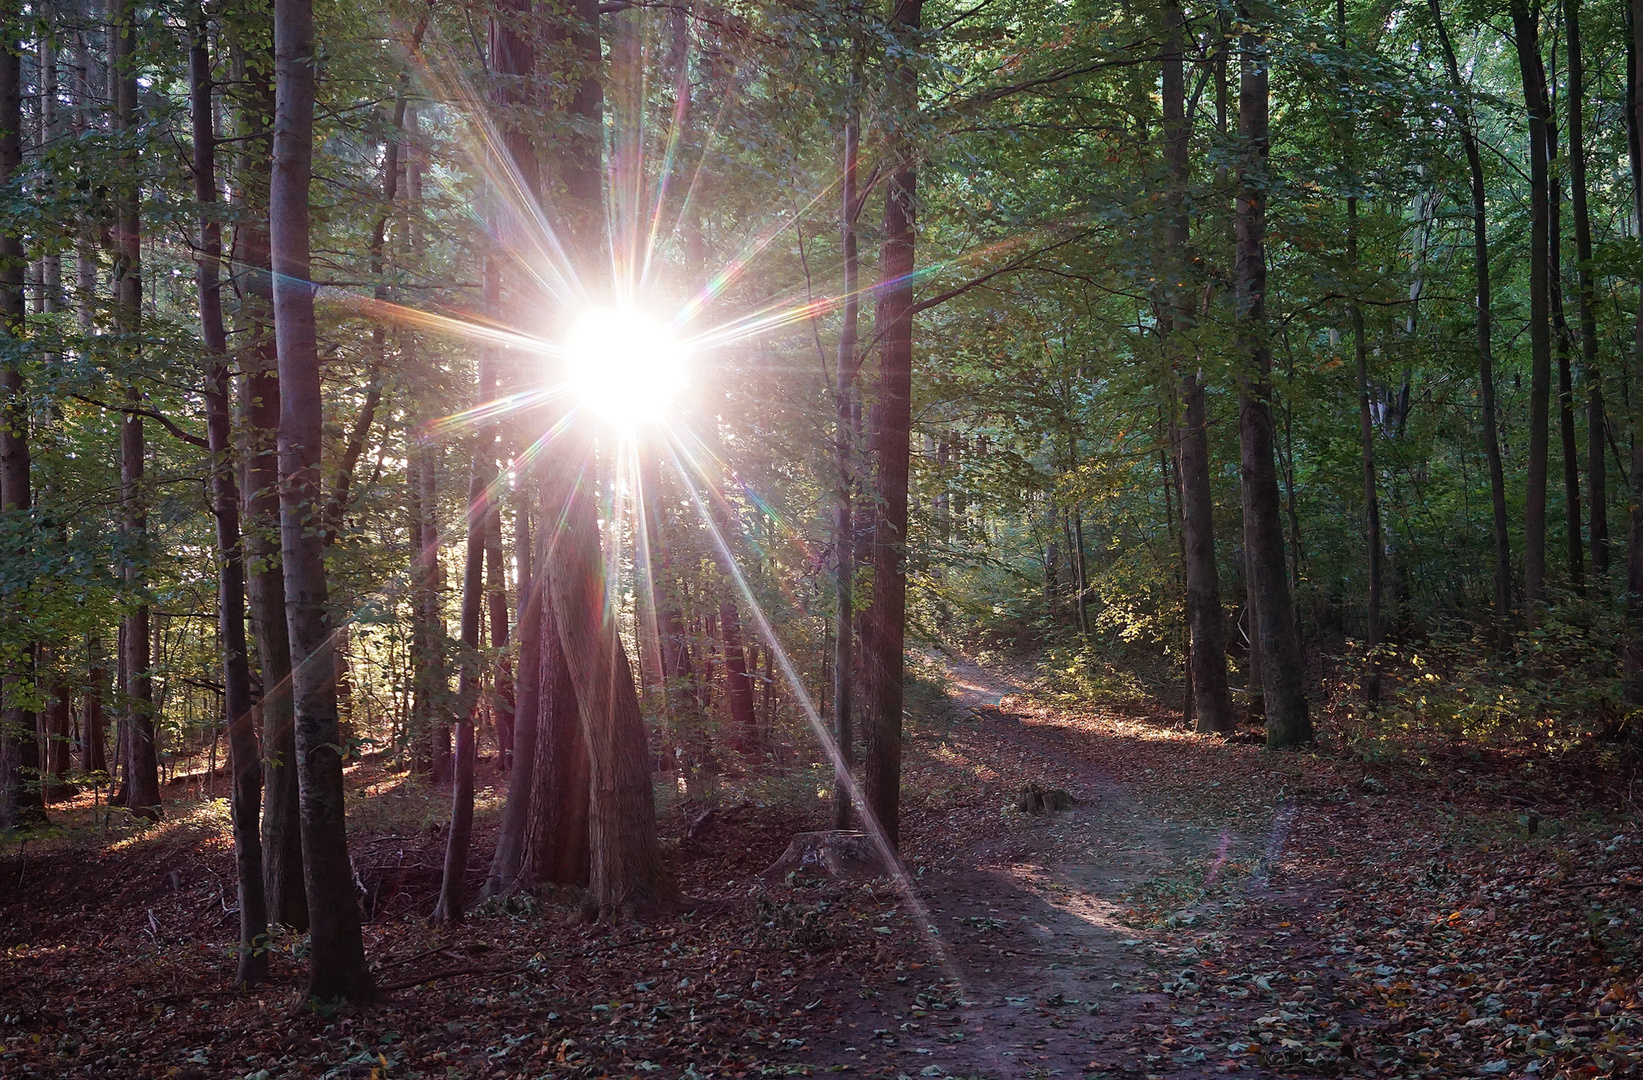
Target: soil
{"type": "Point", "coordinates": [1203, 907]}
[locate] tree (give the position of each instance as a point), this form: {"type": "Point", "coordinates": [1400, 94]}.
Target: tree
{"type": "Point", "coordinates": [17, 798]}
{"type": "Point", "coordinates": [259, 394]}
{"type": "Point", "coordinates": [885, 620]}
{"type": "Point", "coordinates": [1484, 324]}
{"type": "Point", "coordinates": [337, 953]}
{"type": "Point", "coordinates": [1632, 648]}
{"type": "Point", "coordinates": [244, 758]}
{"type": "Point", "coordinates": [1591, 371]}
{"type": "Point", "coordinates": [1282, 666]}
{"type": "Point", "coordinates": [1207, 674]}
{"type": "Point", "coordinates": [1526, 37]}
{"type": "Point", "coordinates": [142, 766]}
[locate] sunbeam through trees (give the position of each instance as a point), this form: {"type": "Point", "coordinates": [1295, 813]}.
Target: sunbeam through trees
{"type": "Point", "coordinates": [578, 538]}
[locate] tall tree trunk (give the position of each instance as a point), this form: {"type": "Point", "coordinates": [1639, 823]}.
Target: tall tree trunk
{"type": "Point", "coordinates": [1282, 665]}
{"type": "Point", "coordinates": [1366, 437]}
{"type": "Point", "coordinates": [432, 679]}
{"type": "Point", "coordinates": [481, 473]}
{"type": "Point", "coordinates": [20, 797]}
{"type": "Point", "coordinates": [93, 728]}
{"type": "Point", "coordinates": [1207, 688]}
{"type": "Point", "coordinates": [744, 733]}
{"type": "Point", "coordinates": [1366, 433]}
{"type": "Point", "coordinates": [245, 763]}
{"type": "Point", "coordinates": [143, 769]}
{"type": "Point", "coordinates": [509, 858]}
{"type": "Point", "coordinates": [260, 393]}
{"type": "Point", "coordinates": [432, 683]}
{"type": "Point", "coordinates": [1561, 339]}
{"type": "Point", "coordinates": [626, 870]}
{"type": "Point", "coordinates": [738, 684]}
{"type": "Point", "coordinates": [556, 837]}
{"type": "Point", "coordinates": [884, 624]}
{"type": "Point", "coordinates": [1597, 493]}
{"type": "Point", "coordinates": [336, 955]}
{"type": "Point", "coordinates": [1633, 650]}
{"type": "Point", "coordinates": [845, 408]}
{"type": "Point", "coordinates": [1526, 35]}
{"type": "Point", "coordinates": [1485, 310]}
{"type": "Point", "coordinates": [496, 607]}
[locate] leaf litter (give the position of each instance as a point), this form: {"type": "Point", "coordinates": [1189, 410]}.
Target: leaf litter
{"type": "Point", "coordinates": [1205, 909]}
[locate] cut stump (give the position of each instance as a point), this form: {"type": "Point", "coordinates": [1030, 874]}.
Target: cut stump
{"type": "Point", "coordinates": [832, 854]}
{"type": "Point", "coordinates": [1037, 799]}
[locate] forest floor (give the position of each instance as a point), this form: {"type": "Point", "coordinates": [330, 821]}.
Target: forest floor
{"type": "Point", "coordinates": [1204, 907]}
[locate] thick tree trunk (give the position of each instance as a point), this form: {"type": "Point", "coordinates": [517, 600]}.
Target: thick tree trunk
{"type": "Point", "coordinates": [884, 621]}
{"type": "Point", "coordinates": [20, 793]}
{"type": "Point", "coordinates": [1526, 35]}
{"type": "Point", "coordinates": [1207, 687]}
{"type": "Point", "coordinates": [556, 841]}
{"type": "Point", "coordinates": [1597, 492]}
{"type": "Point", "coordinates": [143, 769]}
{"type": "Point", "coordinates": [1282, 666]}
{"type": "Point", "coordinates": [1485, 311]}
{"type": "Point", "coordinates": [337, 965]}
{"type": "Point", "coordinates": [626, 869]}
{"type": "Point", "coordinates": [246, 792]}
{"type": "Point", "coordinates": [260, 405]}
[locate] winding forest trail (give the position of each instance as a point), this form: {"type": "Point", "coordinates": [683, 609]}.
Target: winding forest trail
{"type": "Point", "coordinates": [1030, 921]}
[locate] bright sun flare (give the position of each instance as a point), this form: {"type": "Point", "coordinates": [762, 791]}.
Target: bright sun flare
{"type": "Point", "coordinates": [624, 366]}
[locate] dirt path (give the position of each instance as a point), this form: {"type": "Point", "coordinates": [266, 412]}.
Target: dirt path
{"type": "Point", "coordinates": [1030, 928]}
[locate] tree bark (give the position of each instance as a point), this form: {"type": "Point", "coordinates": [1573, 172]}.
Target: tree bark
{"type": "Point", "coordinates": [509, 858]}
{"type": "Point", "coordinates": [1633, 649]}
{"type": "Point", "coordinates": [1573, 545]}
{"type": "Point", "coordinates": [1282, 665]}
{"type": "Point", "coordinates": [1526, 36]}
{"type": "Point", "coordinates": [93, 729]}
{"type": "Point", "coordinates": [845, 408]}
{"type": "Point", "coordinates": [260, 405]}
{"type": "Point", "coordinates": [1485, 348]}
{"type": "Point", "coordinates": [20, 797]}
{"type": "Point", "coordinates": [884, 622]}
{"type": "Point", "coordinates": [1366, 437]}
{"type": "Point", "coordinates": [143, 770]}
{"type": "Point", "coordinates": [245, 763]}
{"type": "Point", "coordinates": [503, 706]}
{"type": "Point", "coordinates": [625, 874]}
{"type": "Point", "coordinates": [481, 474]}
{"type": "Point", "coordinates": [1207, 688]}
{"type": "Point", "coordinates": [1597, 493]}
{"type": "Point", "coordinates": [556, 846]}
{"type": "Point", "coordinates": [337, 965]}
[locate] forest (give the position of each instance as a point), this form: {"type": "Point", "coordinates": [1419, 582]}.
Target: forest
{"type": "Point", "coordinates": [721, 538]}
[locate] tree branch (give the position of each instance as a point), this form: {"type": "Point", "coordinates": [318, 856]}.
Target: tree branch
{"type": "Point", "coordinates": [135, 410]}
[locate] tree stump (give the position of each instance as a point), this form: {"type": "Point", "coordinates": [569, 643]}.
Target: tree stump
{"type": "Point", "coordinates": [1036, 799]}
{"type": "Point", "coordinates": [831, 854]}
